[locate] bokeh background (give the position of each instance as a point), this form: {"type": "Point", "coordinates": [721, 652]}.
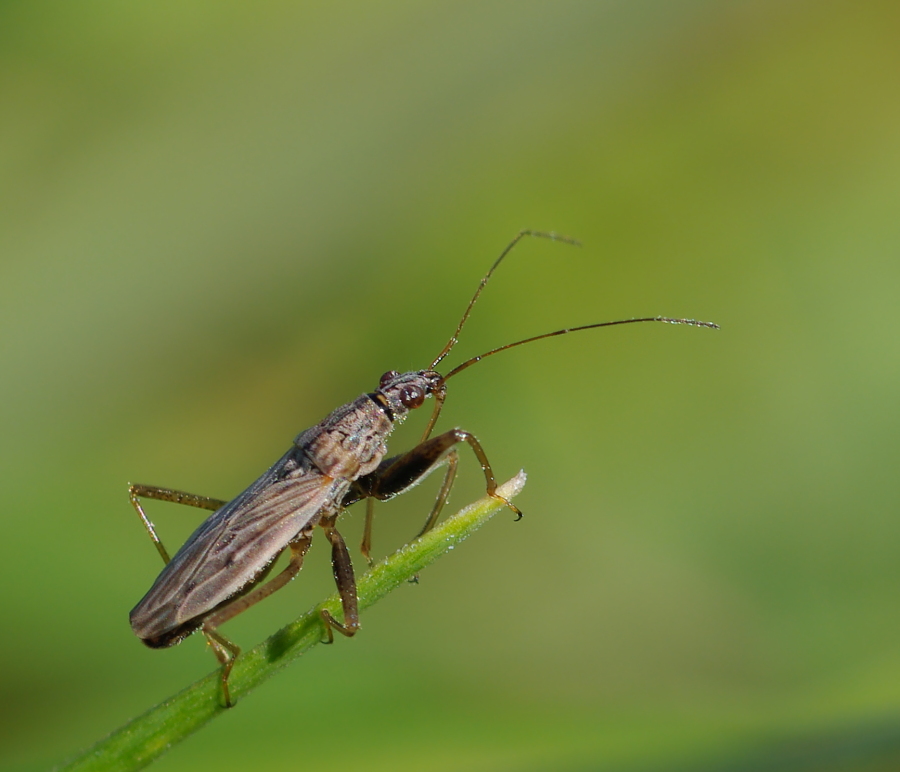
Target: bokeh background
{"type": "Point", "coordinates": [219, 221]}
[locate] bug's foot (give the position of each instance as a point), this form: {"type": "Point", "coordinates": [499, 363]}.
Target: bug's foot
{"type": "Point", "coordinates": [329, 622]}
{"type": "Point", "coordinates": [508, 504]}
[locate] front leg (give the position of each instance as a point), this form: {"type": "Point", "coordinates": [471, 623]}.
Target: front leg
{"type": "Point", "coordinates": [400, 473]}
{"type": "Point", "coordinates": [452, 461]}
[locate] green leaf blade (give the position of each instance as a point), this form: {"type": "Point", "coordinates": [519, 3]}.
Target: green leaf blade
{"type": "Point", "coordinates": [145, 738]}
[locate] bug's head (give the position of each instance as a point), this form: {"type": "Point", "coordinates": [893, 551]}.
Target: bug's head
{"type": "Point", "coordinates": [407, 391]}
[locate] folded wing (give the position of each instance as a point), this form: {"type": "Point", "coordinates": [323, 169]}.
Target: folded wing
{"type": "Point", "coordinates": [232, 548]}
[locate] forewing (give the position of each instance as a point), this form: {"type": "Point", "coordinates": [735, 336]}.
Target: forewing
{"type": "Point", "coordinates": [232, 547]}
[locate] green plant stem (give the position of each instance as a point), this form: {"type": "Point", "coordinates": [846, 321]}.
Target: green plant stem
{"type": "Point", "coordinates": [148, 736]}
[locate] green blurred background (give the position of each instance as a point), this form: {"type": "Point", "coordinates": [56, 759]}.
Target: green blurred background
{"type": "Point", "coordinates": [219, 221]}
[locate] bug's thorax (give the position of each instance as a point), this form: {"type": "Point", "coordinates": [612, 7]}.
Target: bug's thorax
{"type": "Point", "coordinates": [351, 441]}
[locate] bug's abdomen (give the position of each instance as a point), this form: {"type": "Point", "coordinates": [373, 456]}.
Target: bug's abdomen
{"type": "Point", "coordinates": [171, 637]}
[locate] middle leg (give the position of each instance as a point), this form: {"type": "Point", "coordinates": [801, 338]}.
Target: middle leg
{"type": "Point", "coordinates": [345, 579]}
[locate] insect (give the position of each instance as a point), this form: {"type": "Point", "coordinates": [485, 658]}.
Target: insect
{"type": "Point", "coordinates": [220, 570]}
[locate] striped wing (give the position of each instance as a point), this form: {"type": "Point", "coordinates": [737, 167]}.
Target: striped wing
{"type": "Point", "coordinates": [232, 547]}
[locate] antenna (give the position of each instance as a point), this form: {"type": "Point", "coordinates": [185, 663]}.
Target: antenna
{"type": "Point", "coordinates": [440, 393]}
{"type": "Point", "coordinates": [519, 236]}
{"type": "Point", "coordinates": [666, 319]}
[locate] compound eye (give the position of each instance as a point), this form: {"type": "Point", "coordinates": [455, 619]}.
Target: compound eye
{"type": "Point", "coordinates": [412, 397]}
{"type": "Point", "coordinates": [387, 378]}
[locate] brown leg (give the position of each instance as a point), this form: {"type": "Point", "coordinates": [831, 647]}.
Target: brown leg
{"type": "Point", "coordinates": [366, 546]}
{"type": "Point", "coordinates": [443, 494]}
{"type": "Point", "coordinates": [398, 474]}
{"type": "Point", "coordinates": [342, 567]}
{"type": "Point", "coordinates": [136, 492]}
{"type": "Point", "coordinates": [226, 651]}
{"type": "Point", "coordinates": [491, 488]}
{"type": "Point", "coordinates": [452, 461]}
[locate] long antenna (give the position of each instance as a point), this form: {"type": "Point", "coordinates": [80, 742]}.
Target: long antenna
{"type": "Point", "coordinates": [522, 234]}
{"type": "Point", "coordinates": [440, 393]}
{"type": "Point", "coordinates": [473, 360]}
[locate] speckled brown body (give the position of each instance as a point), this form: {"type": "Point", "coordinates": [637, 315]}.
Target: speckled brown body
{"type": "Point", "coordinates": [234, 548]}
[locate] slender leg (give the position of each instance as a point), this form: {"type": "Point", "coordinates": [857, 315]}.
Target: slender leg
{"type": "Point", "coordinates": [444, 493]}
{"type": "Point", "coordinates": [398, 474]}
{"type": "Point", "coordinates": [366, 547]}
{"type": "Point", "coordinates": [298, 548]}
{"type": "Point", "coordinates": [452, 461]}
{"type": "Point", "coordinates": [136, 492]}
{"type": "Point", "coordinates": [342, 567]}
{"type": "Point", "coordinates": [225, 650]}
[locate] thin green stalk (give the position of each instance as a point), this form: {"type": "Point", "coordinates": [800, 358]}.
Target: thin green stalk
{"type": "Point", "coordinates": [146, 737]}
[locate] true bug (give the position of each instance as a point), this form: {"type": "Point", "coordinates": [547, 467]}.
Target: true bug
{"type": "Point", "coordinates": [219, 570]}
